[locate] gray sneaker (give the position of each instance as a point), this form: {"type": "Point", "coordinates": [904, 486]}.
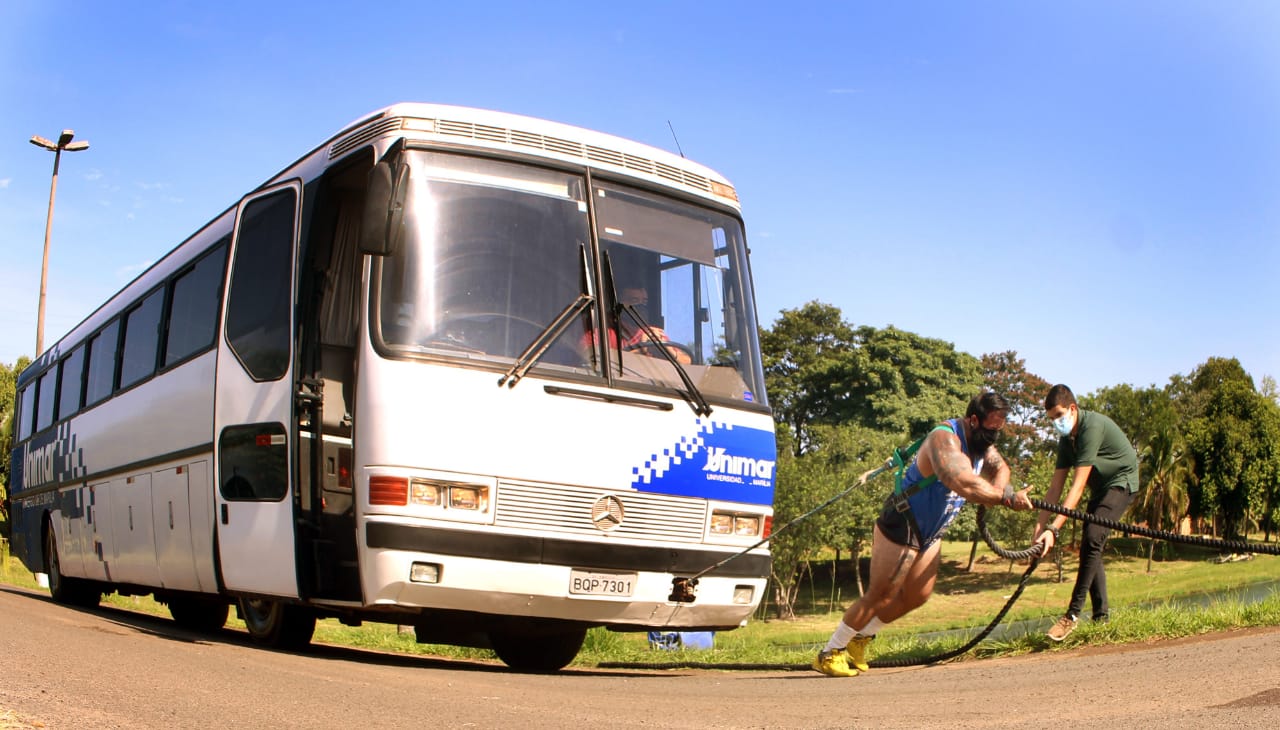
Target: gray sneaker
{"type": "Point", "coordinates": [1063, 628]}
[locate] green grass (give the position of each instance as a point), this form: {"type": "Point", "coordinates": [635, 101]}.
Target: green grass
{"type": "Point", "coordinates": [1145, 607]}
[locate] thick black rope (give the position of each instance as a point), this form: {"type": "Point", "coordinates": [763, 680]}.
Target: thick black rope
{"type": "Point", "coordinates": [1235, 546]}
{"type": "Point", "coordinates": [1032, 553]}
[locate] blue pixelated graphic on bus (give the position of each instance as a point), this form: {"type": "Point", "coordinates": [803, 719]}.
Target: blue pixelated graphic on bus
{"type": "Point", "coordinates": [716, 461]}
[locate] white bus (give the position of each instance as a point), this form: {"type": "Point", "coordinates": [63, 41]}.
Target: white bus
{"type": "Point", "coordinates": [491, 376]}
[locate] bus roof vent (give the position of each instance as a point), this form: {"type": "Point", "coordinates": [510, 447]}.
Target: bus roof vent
{"type": "Point", "coordinates": [567, 147]}
{"type": "Point", "coordinates": [521, 138]}
{"type": "Point", "coordinates": [602, 154]}
{"type": "Point", "coordinates": [363, 135]}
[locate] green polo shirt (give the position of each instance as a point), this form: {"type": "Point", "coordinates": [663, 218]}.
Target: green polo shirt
{"type": "Point", "coordinates": [1098, 442]}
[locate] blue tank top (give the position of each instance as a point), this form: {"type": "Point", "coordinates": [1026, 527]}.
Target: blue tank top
{"type": "Point", "coordinates": [935, 506]}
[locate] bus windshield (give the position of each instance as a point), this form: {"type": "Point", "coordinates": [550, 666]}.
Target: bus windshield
{"type": "Point", "coordinates": [494, 251]}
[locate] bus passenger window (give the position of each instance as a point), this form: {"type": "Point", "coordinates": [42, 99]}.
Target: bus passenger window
{"type": "Point", "coordinates": [27, 406]}
{"type": "Point", "coordinates": [141, 333]}
{"type": "Point", "coordinates": [71, 383]}
{"type": "Point", "coordinates": [46, 391]}
{"type": "Point", "coordinates": [193, 310]}
{"type": "Point", "coordinates": [102, 364]}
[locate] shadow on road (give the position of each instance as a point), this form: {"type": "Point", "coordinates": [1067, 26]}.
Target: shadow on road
{"type": "Point", "coordinates": [161, 627]}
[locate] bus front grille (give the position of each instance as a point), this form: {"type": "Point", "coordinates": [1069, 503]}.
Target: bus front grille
{"type": "Point", "coordinates": [568, 510]}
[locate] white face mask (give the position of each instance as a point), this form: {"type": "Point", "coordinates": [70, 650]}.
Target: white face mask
{"type": "Point", "coordinates": [1064, 423]}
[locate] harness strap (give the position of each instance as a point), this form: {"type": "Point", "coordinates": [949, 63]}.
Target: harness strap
{"type": "Point", "coordinates": [900, 496]}
{"type": "Point", "coordinates": [902, 461]}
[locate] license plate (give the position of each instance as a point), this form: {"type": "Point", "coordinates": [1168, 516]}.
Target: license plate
{"type": "Point", "coordinates": [586, 583]}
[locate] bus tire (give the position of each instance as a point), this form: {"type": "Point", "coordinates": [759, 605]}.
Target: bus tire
{"type": "Point", "coordinates": [199, 614]}
{"type": "Point", "coordinates": [64, 590]}
{"type": "Point", "coordinates": [277, 624]}
{"type": "Point", "coordinates": [538, 652]}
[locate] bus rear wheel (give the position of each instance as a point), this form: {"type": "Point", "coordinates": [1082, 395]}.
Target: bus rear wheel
{"type": "Point", "coordinates": [64, 590]}
{"type": "Point", "coordinates": [537, 652]}
{"type": "Point", "coordinates": [277, 624]}
{"type": "Point", "coordinates": [199, 614]}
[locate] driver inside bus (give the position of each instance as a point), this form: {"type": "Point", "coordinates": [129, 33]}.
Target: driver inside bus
{"type": "Point", "coordinates": [633, 337]}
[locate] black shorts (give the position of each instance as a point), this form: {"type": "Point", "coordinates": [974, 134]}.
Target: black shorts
{"type": "Point", "coordinates": [896, 527]}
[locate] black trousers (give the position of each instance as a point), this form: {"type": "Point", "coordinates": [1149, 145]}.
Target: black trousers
{"type": "Point", "coordinates": [1091, 580]}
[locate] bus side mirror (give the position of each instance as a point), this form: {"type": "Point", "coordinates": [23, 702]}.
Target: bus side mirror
{"type": "Point", "coordinates": [382, 228]}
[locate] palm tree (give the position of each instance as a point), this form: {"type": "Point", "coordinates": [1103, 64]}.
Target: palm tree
{"type": "Point", "coordinates": [1165, 498]}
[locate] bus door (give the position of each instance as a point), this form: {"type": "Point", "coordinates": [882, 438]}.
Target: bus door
{"type": "Point", "coordinates": [253, 410]}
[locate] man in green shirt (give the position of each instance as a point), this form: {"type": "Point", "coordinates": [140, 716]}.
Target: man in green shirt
{"type": "Point", "coordinates": [1104, 461]}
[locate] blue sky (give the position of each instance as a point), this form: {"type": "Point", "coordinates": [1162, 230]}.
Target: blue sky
{"type": "Point", "coordinates": [1095, 185]}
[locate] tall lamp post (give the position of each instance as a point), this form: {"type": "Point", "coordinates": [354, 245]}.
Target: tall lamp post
{"type": "Point", "coordinates": [64, 143]}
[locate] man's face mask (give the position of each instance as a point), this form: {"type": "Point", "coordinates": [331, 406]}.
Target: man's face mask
{"type": "Point", "coordinates": [1064, 423]}
{"type": "Point", "coordinates": [983, 438]}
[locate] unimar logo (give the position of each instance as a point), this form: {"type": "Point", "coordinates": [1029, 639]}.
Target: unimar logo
{"type": "Point", "coordinates": [50, 458]}
{"type": "Point", "coordinates": [37, 464]}
{"type": "Point", "coordinates": [716, 461]}
{"type": "Point", "coordinates": [723, 464]}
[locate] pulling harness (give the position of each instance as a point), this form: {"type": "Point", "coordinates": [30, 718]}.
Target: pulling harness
{"type": "Point", "coordinates": [900, 497]}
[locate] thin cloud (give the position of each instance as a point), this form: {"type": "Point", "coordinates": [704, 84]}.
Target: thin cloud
{"type": "Point", "coordinates": [152, 186]}
{"type": "Point", "coordinates": [4, 182]}
{"type": "Point", "coordinates": [132, 270]}
{"type": "Point", "coordinates": [93, 174]}
{"type": "Point", "coordinates": [840, 91]}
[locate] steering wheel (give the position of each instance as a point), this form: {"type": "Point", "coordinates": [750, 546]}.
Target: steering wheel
{"type": "Point", "coordinates": [487, 332]}
{"type": "Point", "coordinates": [650, 348]}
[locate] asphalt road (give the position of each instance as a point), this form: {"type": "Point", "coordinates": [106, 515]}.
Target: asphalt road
{"type": "Point", "coordinates": [109, 668]}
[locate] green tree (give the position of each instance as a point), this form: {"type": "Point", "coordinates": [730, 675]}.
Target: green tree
{"type": "Point", "coordinates": [8, 393]}
{"type": "Point", "coordinates": [837, 457]}
{"type": "Point", "coordinates": [901, 382]}
{"type": "Point", "coordinates": [849, 452]}
{"type": "Point", "coordinates": [1268, 465]}
{"type": "Point", "coordinates": [806, 353]}
{"type": "Point", "coordinates": [1139, 412]}
{"type": "Point", "coordinates": [800, 484]}
{"type": "Point", "coordinates": [1165, 471]}
{"type": "Point", "coordinates": [1024, 435]}
{"type": "Point", "coordinates": [1232, 440]}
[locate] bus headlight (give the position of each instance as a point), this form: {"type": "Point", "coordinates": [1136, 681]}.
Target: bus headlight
{"type": "Point", "coordinates": [450, 495]}
{"type": "Point", "coordinates": [424, 493]}
{"type": "Point", "coordinates": [469, 497]}
{"type": "Point", "coordinates": [746, 525]}
{"type": "Point", "coordinates": [721, 523]}
{"type": "Point", "coordinates": [734, 523]}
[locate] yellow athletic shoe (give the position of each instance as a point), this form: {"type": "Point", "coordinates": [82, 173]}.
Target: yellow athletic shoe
{"type": "Point", "coordinates": [834, 663]}
{"type": "Point", "coordinates": [856, 652]}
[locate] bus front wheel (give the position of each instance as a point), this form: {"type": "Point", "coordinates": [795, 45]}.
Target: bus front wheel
{"type": "Point", "coordinates": [277, 624]}
{"type": "Point", "coordinates": [537, 652]}
{"type": "Point", "coordinates": [68, 591]}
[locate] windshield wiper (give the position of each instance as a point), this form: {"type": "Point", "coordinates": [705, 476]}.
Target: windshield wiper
{"type": "Point", "coordinates": [551, 332]}
{"type": "Point", "coordinates": [692, 394]}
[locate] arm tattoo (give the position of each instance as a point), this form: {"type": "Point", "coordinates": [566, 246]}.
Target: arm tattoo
{"type": "Point", "coordinates": [950, 465]}
{"type": "Point", "coordinates": [991, 464]}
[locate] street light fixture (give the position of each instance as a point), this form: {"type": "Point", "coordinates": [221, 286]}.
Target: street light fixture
{"type": "Point", "coordinates": [64, 143]}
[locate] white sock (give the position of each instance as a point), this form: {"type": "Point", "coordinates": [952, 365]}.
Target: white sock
{"type": "Point", "coordinates": [840, 637]}
{"type": "Point", "coordinates": [873, 626]}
